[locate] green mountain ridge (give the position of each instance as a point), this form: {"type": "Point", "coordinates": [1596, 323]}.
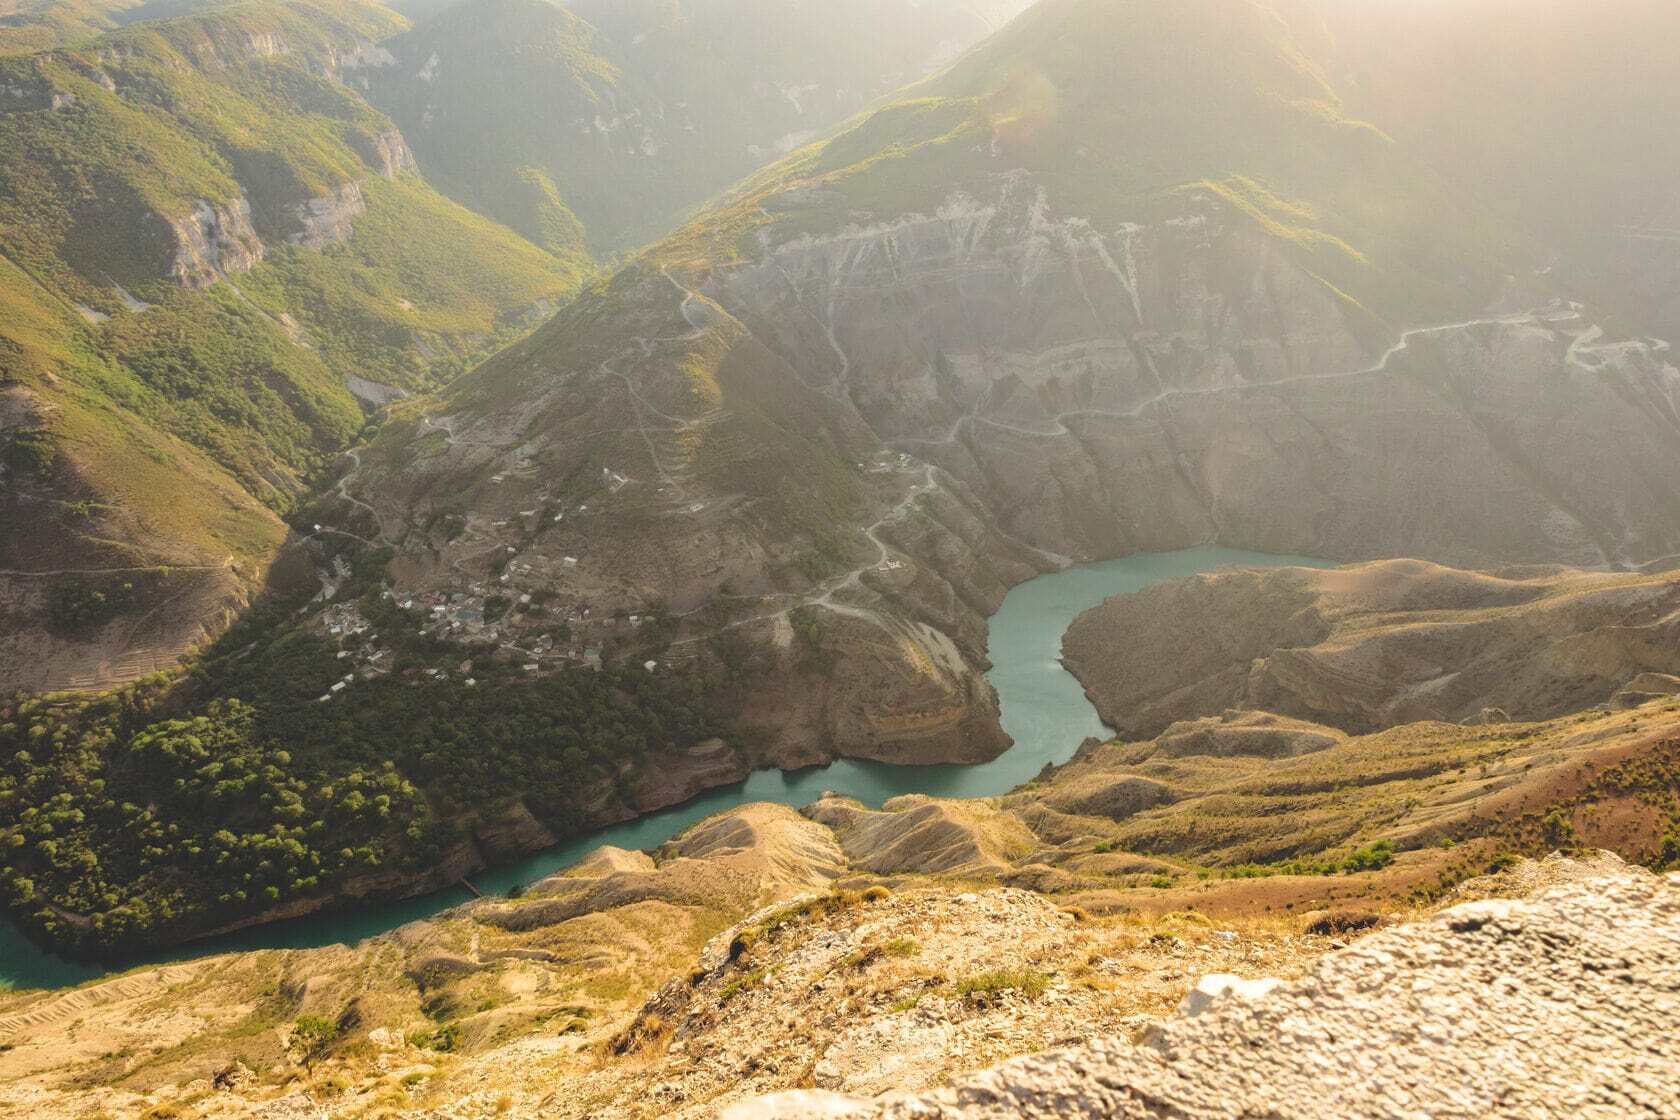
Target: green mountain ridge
{"type": "Point", "coordinates": [274, 238]}
{"type": "Point", "coordinates": [648, 108]}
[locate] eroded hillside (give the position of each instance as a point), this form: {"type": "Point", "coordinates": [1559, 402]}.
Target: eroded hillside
{"type": "Point", "coordinates": [1377, 644]}
{"type": "Point", "coordinates": [968, 338]}
{"type": "Point", "coordinates": [863, 952]}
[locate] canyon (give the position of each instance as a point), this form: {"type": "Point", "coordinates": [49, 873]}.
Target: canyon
{"type": "Point", "coordinates": [410, 511]}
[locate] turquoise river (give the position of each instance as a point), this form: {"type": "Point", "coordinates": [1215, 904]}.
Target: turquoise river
{"type": "Point", "coordinates": [1043, 708]}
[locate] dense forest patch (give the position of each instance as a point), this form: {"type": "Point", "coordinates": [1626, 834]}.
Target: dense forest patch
{"type": "Point", "coordinates": [180, 805]}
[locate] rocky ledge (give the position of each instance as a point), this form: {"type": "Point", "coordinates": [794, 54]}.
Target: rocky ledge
{"type": "Point", "coordinates": [1567, 1004]}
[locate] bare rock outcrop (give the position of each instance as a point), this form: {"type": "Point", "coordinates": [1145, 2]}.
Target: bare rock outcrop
{"type": "Point", "coordinates": [326, 220]}
{"type": "Point", "coordinates": [386, 151]}
{"type": "Point", "coordinates": [1564, 1005]}
{"type": "Point", "coordinates": [212, 241]}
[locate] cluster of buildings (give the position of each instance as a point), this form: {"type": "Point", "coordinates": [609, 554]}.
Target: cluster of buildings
{"type": "Point", "coordinates": [493, 614]}
{"type": "Point", "coordinates": [359, 647]}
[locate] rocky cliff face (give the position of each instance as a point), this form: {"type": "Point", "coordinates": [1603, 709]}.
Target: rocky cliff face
{"type": "Point", "coordinates": [213, 241]}
{"type": "Point", "coordinates": [388, 153]}
{"type": "Point", "coordinates": [987, 391]}
{"type": "Point", "coordinates": [1153, 386]}
{"type": "Point", "coordinates": [326, 220]}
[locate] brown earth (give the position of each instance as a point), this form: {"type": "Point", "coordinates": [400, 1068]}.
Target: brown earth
{"type": "Point", "coordinates": [747, 956]}
{"type": "Point", "coordinates": [1379, 644]}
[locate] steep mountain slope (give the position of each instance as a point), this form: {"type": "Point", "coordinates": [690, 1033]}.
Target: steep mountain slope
{"type": "Point", "coordinates": [1126, 277]}
{"type": "Point", "coordinates": [32, 25]}
{"type": "Point", "coordinates": [28, 26]}
{"type": "Point", "coordinates": [647, 107]}
{"type": "Point", "coordinates": [1592, 172]}
{"type": "Point", "coordinates": [1378, 644]}
{"type": "Point", "coordinates": [209, 247]}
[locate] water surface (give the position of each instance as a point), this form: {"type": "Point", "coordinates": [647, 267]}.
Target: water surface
{"type": "Point", "coordinates": [1043, 708]}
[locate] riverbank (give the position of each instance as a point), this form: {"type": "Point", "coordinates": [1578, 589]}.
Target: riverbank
{"type": "Point", "coordinates": [1043, 708]}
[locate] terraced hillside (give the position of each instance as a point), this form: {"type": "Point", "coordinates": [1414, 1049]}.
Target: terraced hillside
{"type": "Point", "coordinates": [210, 247]}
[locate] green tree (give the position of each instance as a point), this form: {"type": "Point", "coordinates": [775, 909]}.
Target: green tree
{"type": "Point", "coordinates": [312, 1036]}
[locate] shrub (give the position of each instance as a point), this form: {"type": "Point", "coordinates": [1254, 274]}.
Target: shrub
{"type": "Point", "coordinates": [1028, 981]}
{"type": "Point", "coordinates": [1501, 861]}
{"type": "Point", "coordinates": [446, 1039]}
{"type": "Point", "coordinates": [30, 452]}
{"type": "Point", "coordinates": [312, 1037]}
{"type": "Point", "coordinates": [1557, 828]}
{"type": "Point", "coordinates": [1343, 921]}
{"type": "Point", "coordinates": [1372, 857]}
{"type": "Point", "coordinates": [77, 606]}
{"type": "Point", "coordinates": [740, 984]}
{"type": "Point", "coordinates": [1668, 851]}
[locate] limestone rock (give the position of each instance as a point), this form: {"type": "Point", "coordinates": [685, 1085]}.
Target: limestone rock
{"type": "Point", "coordinates": [1210, 991]}
{"type": "Point", "coordinates": [796, 1104]}
{"type": "Point", "coordinates": [327, 220]}
{"type": "Point", "coordinates": [1567, 1004]}
{"type": "Point", "coordinates": [212, 241]}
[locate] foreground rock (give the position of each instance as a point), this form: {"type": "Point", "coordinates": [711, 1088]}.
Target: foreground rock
{"type": "Point", "coordinates": [1566, 1005]}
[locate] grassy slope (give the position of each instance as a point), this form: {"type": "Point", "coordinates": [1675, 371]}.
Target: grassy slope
{"type": "Point", "coordinates": [237, 388]}
{"type": "Point", "coordinates": [1437, 799]}
{"type": "Point", "coordinates": [1225, 99]}
{"type": "Point", "coordinates": [37, 25]}
{"type": "Point", "coordinates": [1460, 83]}
{"type": "Point", "coordinates": [424, 288]}
{"type": "Point", "coordinates": [117, 488]}
{"type": "Point", "coordinates": [483, 149]}
{"type": "Point", "coordinates": [648, 107]}
{"type": "Point", "coordinates": [229, 105]}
